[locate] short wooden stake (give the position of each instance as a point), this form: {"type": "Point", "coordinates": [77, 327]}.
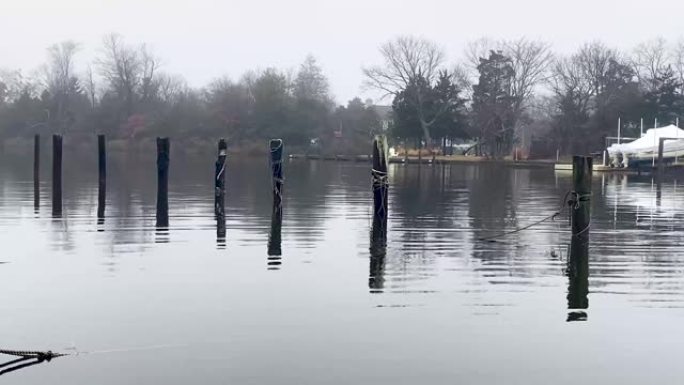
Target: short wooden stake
{"type": "Point", "coordinates": [56, 175]}
{"type": "Point", "coordinates": [102, 176]}
{"type": "Point", "coordinates": [163, 155]}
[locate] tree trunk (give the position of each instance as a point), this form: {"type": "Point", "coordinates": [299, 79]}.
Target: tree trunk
{"type": "Point", "coordinates": [426, 134]}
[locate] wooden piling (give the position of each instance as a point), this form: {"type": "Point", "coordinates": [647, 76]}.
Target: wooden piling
{"type": "Point", "coordinates": [578, 261]}
{"type": "Point", "coordinates": [276, 161]}
{"type": "Point", "coordinates": [163, 150]}
{"type": "Point", "coordinates": [581, 210]}
{"type": "Point", "coordinates": [380, 184]}
{"type": "Point", "coordinates": [102, 176]}
{"type": "Point", "coordinates": [220, 180]}
{"type": "Point", "coordinates": [36, 171]}
{"type": "Point", "coordinates": [56, 175]}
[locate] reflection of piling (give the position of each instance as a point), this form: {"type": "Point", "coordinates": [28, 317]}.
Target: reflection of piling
{"type": "Point", "coordinates": [378, 251]}
{"type": "Point", "coordinates": [163, 149]}
{"type": "Point", "coordinates": [275, 238]}
{"type": "Point", "coordinates": [36, 171]}
{"type": "Point", "coordinates": [56, 175]}
{"type": "Point", "coordinates": [276, 160]}
{"type": "Point", "coordinates": [578, 275]}
{"type": "Point", "coordinates": [379, 178]}
{"type": "Point", "coordinates": [102, 176]}
{"type": "Point", "coordinates": [578, 263]}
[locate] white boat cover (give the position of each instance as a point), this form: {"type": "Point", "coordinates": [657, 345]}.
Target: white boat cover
{"type": "Point", "coordinates": [649, 142]}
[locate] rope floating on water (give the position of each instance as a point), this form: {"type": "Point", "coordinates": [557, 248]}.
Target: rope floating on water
{"type": "Point", "coordinates": [42, 356]}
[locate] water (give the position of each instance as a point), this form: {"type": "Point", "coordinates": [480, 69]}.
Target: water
{"type": "Point", "coordinates": [150, 306]}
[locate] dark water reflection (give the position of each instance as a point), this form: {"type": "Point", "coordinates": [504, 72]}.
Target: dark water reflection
{"type": "Point", "coordinates": [324, 295]}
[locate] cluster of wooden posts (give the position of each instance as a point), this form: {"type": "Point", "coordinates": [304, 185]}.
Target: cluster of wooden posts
{"type": "Point", "coordinates": [579, 204]}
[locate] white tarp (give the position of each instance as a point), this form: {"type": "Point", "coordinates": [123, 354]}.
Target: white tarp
{"type": "Point", "coordinates": [647, 143]}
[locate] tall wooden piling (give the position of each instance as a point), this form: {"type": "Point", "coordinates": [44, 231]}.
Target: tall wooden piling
{"type": "Point", "coordinates": [102, 176]}
{"type": "Point", "coordinates": [36, 171]}
{"type": "Point", "coordinates": [56, 175]}
{"type": "Point", "coordinates": [220, 180]}
{"type": "Point", "coordinates": [578, 261]}
{"type": "Point", "coordinates": [163, 154]}
{"type": "Point", "coordinates": [581, 210]}
{"type": "Point", "coordinates": [380, 183]}
{"type": "Point", "coordinates": [276, 161]}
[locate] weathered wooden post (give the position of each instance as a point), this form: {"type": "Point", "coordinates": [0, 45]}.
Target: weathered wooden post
{"type": "Point", "coordinates": [581, 210]}
{"type": "Point", "coordinates": [56, 175]}
{"type": "Point", "coordinates": [36, 171]}
{"type": "Point", "coordinates": [102, 176]}
{"type": "Point", "coordinates": [220, 194]}
{"type": "Point", "coordinates": [276, 160]}
{"type": "Point", "coordinates": [220, 180]}
{"type": "Point", "coordinates": [380, 183]}
{"type": "Point", "coordinates": [578, 262]}
{"type": "Point", "coordinates": [163, 149]}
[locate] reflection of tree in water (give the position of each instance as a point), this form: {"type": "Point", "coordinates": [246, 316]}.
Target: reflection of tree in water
{"type": "Point", "coordinates": [427, 216]}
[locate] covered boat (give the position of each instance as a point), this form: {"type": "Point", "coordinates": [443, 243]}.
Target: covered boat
{"type": "Point", "coordinates": [645, 149]}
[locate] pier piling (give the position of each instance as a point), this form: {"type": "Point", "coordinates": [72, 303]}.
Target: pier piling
{"type": "Point", "coordinates": [163, 157]}
{"type": "Point", "coordinates": [276, 161]}
{"type": "Point", "coordinates": [220, 180]}
{"type": "Point", "coordinates": [36, 171]}
{"type": "Point", "coordinates": [380, 183]}
{"type": "Point", "coordinates": [56, 175]}
{"type": "Point", "coordinates": [102, 176]}
{"type": "Point", "coordinates": [578, 261]}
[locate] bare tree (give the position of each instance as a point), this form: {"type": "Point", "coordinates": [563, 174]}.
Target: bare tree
{"type": "Point", "coordinates": [91, 88]}
{"type": "Point", "coordinates": [531, 60]}
{"type": "Point", "coordinates": [594, 60]}
{"type": "Point", "coordinates": [678, 63]}
{"type": "Point", "coordinates": [406, 59]}
{"type": "Point", "coordinates": [650, 60]}
{"type": "Point", "coordinates": [568, 80]}
{"type": "Point", "coordinates": [121, 67]}
{"type": "Point", "coordinates": [60, 81]}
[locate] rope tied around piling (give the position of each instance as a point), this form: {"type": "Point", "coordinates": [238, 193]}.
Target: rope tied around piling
{"type": "Point", "coordinates": [571, 199]}
{"type": "Point", "coordinates": [379, 179]}
{"type": "Point", "coordinates": [574, 203]}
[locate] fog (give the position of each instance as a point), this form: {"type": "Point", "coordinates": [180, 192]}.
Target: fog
{"type": "Point", "coordinates": [205, 39]}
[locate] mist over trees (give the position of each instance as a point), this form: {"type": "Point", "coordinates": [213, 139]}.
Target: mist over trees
{"type": "Point", "coordinates": [510, 96]}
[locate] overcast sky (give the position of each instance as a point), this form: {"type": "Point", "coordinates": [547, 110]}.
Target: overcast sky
{"type": "Point", "coordinates": [205, 39]}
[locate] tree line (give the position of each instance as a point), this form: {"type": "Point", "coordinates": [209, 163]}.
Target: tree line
{"type": "Point", "coordinates": [125, 94]}
{"type": "Point", "coordinates": [518, 95]}
{"type": "Point", "coordinates": [503, 96]}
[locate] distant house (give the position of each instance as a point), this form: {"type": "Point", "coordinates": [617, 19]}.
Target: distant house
{"type": "Point", "coordinates": [385, 115]}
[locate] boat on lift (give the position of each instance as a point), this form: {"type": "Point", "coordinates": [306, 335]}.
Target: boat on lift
{"type": "Point", "coordinates": [644, 151]}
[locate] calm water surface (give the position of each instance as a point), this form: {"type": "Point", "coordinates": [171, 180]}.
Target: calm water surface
{"type": "Point", "coordinates": [148, 306]}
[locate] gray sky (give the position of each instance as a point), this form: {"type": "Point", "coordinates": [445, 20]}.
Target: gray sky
{"type": "Point", "coordinates": [205, 39]}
